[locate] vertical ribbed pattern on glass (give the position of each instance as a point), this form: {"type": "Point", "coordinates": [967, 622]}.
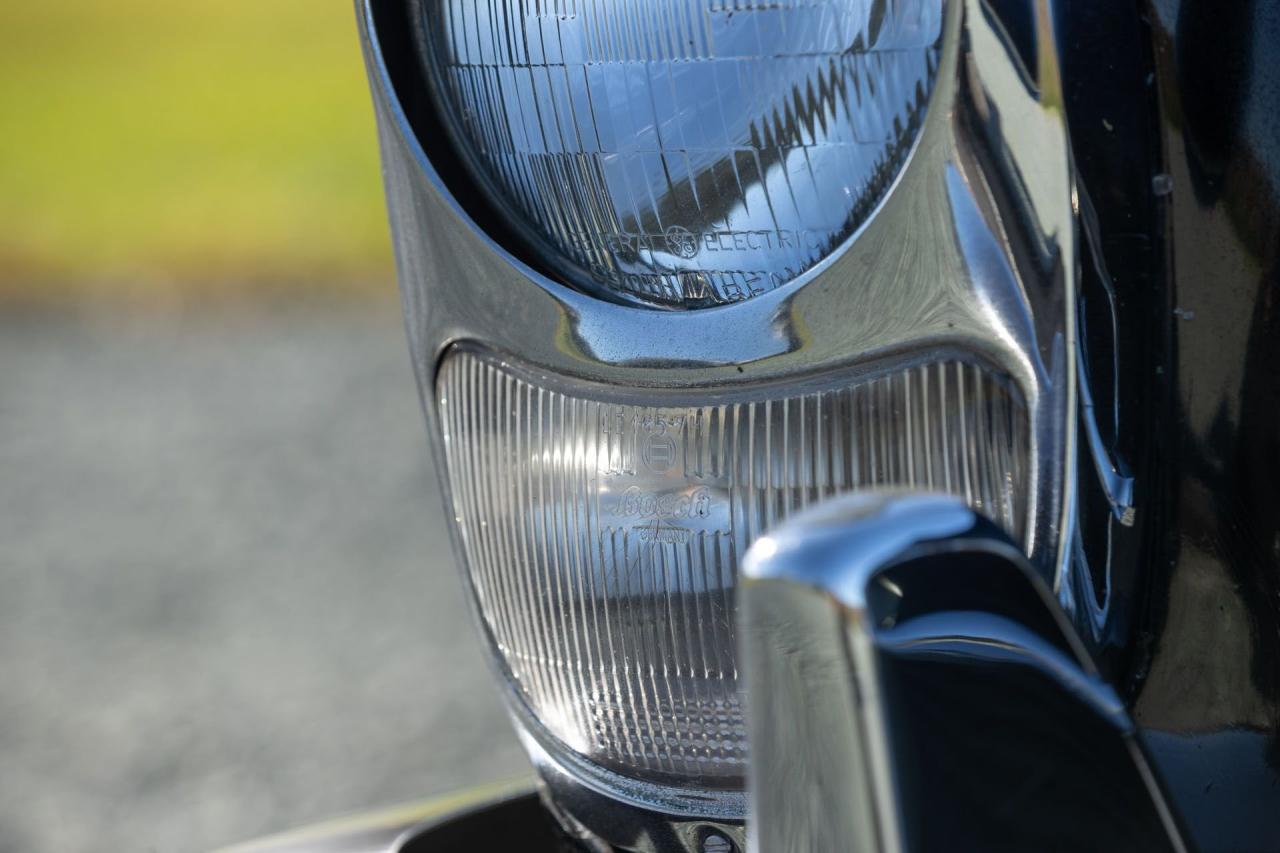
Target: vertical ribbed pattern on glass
{"type": "Point", "coordinates": [602, 539]}
{"type": "Point", "coordinates": [684, 152]}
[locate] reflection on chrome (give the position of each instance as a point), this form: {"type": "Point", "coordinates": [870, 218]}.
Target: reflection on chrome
{"type": "Point", "coordinates": [684, 153]}
{"type": "Point", "coordinates": [910, 677]}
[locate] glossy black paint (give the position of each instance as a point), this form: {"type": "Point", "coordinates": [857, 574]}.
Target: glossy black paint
{"type": "Point", "coordinates": [1214, 676]}
{"type": "Point", "coordinates": [1112, 114]}
{"type": "Point", "coordinates": [1174, 110]}
{"type": "Point", "coordinates": [1055, 763]}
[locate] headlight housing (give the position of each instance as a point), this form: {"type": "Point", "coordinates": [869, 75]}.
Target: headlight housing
{"type": "Point", "coordinates": [928, 338]}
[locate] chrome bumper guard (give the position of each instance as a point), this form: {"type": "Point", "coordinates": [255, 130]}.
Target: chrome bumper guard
{"type": "Point", "coordinates": [915, 686]}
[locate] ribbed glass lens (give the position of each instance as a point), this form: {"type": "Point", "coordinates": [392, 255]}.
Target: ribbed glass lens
{"type": "Point", "coordinates": [683, 153]}
{"type": "Point", "coordinates": [602, 536]}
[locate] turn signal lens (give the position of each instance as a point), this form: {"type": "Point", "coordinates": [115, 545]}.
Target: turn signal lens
{"type": "Point", "coordinates": [601, 530]}
{"type": "Point", "coordinates": [682, 153]}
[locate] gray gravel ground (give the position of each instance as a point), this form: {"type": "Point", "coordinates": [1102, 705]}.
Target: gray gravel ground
{"type": "Point", "coordinates": [227, 601]}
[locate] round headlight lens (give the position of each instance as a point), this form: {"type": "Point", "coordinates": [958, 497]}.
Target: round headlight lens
{"type": "Point", "coordinates": [682, 153]}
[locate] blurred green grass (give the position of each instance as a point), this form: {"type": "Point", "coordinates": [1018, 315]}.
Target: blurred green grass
{"type": "Point", "coordinates": [206, 146]}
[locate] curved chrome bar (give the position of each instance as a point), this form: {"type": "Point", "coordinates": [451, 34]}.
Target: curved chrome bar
{"type": "Point", "coordinates": [914, 685]}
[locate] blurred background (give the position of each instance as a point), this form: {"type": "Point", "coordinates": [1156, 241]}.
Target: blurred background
{"type": "Point", "coordinates": [227, 604]}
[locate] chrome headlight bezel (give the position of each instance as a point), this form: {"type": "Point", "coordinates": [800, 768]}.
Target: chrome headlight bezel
{"type": "Point", "coordinates": [973, 249]}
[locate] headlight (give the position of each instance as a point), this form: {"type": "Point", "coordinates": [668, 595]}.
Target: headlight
{"type": "Point", "coordinates": [602, 529]}
{"type": "Point", "coordinates": [870, 204]}
{"type": "Point", "coordinates": [683, 153]}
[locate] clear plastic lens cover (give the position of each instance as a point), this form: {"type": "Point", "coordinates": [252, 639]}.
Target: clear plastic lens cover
{"type": "Point", "coordinates": [602, 538]}
{"type": "Point", "coordinates": [682, 153]}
